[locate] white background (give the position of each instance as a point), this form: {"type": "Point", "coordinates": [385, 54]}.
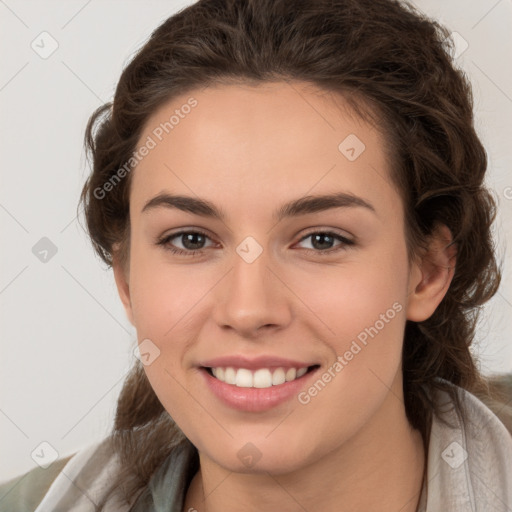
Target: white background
{"type": "Point", "coordinates": [65, 342]}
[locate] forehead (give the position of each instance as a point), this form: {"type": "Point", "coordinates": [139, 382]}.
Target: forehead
{"type": "Point", "coordinates": [247, 142]}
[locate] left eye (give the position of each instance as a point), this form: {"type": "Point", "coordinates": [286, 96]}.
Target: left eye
{"type": "Point", "coordinates": [321, 238]}
{"type": "Point", "coordinates": [189, 240]}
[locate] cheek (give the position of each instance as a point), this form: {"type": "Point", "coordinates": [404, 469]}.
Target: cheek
{"type": "Point", "coordinates": [164, 296]}
{"type": "Point", "coordinates": [348, 299]}
{"type": "Point", "coordinates": [365, 313]}
{"type": "Point", "coordinates": [168, 307]}
{"type": "Point", "coordinates": [363, 310]}
{"type": "Point", "coordinates": [166, 303]}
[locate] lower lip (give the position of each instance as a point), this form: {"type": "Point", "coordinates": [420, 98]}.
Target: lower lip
{"type": "Point", "coordinates": [255, 399]}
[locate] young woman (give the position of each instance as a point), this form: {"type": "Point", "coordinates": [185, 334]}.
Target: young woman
{"type": "Point", "coordinates": [291, 197]}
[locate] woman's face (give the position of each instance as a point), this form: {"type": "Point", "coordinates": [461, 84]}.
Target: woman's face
{"type": "Point", "coordinates": [279, 280]}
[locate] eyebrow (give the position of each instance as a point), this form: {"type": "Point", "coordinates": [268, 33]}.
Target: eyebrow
{"type": "Point", "coordinates": [301, 206]}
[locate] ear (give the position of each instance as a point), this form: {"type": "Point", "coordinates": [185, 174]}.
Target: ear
{"type": "Point", "coordinates": [121, 276]}
{"type": "Point", "coordinates": [431, 275]}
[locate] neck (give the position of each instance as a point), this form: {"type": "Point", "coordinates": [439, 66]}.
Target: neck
{"type": "Point", "coordinates": [380, 468]}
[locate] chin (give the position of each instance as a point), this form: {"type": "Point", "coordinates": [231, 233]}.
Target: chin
{"type": "Point", "coordinates": [262, 456]}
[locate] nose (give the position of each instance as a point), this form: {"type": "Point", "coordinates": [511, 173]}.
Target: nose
{"type": "Point", "coordinates": [252, 299]}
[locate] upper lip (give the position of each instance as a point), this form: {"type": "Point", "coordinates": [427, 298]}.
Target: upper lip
{"type": "Point", "coordinates": [253, 363]}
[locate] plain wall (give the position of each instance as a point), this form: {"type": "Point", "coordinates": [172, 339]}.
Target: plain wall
{"type": "Point", "coordinates": [66, 344]}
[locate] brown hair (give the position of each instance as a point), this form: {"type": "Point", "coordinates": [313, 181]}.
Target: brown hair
{"type": "Point", "coordinates": [393, 65]}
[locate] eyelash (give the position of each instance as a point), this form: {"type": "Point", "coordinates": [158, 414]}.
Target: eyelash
{"type": "Point", "coordinates": [165, 243]}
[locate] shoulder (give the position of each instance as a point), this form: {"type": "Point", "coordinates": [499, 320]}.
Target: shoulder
{"type": "Point", "coordinates": [25, 492]}
{"type": "Point", "coordinates": [499, 398]}
{"type": "Point", "coordinates": [470, 456]}
{"type": "Point", "coordinates": [70, 483]}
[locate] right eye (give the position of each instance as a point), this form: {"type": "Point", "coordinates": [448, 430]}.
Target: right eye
{"type": "Point", "coordinates": [188, 238]}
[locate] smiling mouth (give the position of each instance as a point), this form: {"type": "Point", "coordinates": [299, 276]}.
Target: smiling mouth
{"type": "Point", "coordinates": [261, 378]}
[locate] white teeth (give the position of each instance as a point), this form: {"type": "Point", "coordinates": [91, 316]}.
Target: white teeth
{"type": "Point", "coordinates": [278, 377]}
{"type": "Point", "coordinates": [291, 373]}
{"type": "Point", "coordinates": [262, 378]}
{"type": "Point", "coordinates": [229, 376]}
{"type": "Point", "coordinates": [300, 372]}
{"type": "Point", "coordinates": [220, 373]}
{"type": "Point", "coordinates": [244, 378]}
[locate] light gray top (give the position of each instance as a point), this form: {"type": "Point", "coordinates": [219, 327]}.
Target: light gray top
{"type": "Point", "coordinates": [470, 466]}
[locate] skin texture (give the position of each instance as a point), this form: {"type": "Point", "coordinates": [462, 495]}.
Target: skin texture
{"type": "Point", "coordinates": [249, 150]}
